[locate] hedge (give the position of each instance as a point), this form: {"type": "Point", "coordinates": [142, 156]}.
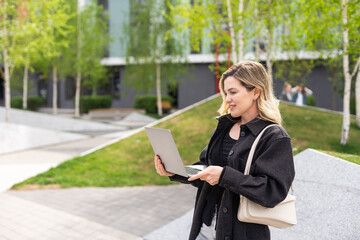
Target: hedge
{"type": "Point", "coordinates": [33, 102]}
{"type": "Point", "coordinates": [149, 102]}
{"type": "Point", "coordinates": [94, 102]}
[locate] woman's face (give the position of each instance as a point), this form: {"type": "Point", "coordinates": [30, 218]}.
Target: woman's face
{"type": "Point", "coordinates": [240, 100]}
{"type": "Point", "coordinates": [288, 88]}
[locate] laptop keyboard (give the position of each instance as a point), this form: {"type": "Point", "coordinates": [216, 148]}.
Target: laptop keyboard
{"type": "Point", "coordinates": [192, 171]}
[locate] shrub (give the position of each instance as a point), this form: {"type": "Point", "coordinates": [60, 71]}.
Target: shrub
{"type": "Point", "coordinates": [16, 102]}
{"type": "Point", "coordinates": [353, 105]}
{"type": "Point", "coordinates": [310, 100]}
{"type": "Point", "coordinates": [94, 102]}
{"type": "Point", "coordinates": [149, 102]}
{"type": "Point", "coordinates": [33, 102]}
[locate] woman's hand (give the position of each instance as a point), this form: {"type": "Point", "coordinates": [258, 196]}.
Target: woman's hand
{"type": "Point", "coordinates": [210, 174]}
{"type": "Point", "coordinates": [160, 167]}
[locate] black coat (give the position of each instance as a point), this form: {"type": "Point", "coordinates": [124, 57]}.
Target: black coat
{"type": "Point", "coordinates": [271, 175]}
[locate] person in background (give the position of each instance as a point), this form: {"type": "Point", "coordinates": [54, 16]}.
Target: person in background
{"type": "Point", "coordinates": [300, 93]}
{"type": "Point", "coordinates": [249, 105]}
{"type": "Point", "coordinates": [286, 93]}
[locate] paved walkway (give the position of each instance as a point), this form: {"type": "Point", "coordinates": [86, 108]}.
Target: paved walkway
{"type": "Point", "coordinates": [135, 210]}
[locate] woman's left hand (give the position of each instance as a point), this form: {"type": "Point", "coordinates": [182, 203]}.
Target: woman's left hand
{"type": "Point", "coordinates": [210, 174]}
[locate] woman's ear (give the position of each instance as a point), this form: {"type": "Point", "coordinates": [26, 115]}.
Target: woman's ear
{"type": "Point", "coordinates": [256, 93]}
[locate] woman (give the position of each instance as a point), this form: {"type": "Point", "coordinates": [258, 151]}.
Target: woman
{"type": "Point", "coordinates": [286, 93]}
{"type": "Point", "coordinates": [300, 94]}
{"type": "Point", "coordinates": [247, 94]}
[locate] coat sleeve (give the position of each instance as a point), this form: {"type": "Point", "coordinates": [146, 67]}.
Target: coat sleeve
{"type": "Point", "coordinates": [271, 175]}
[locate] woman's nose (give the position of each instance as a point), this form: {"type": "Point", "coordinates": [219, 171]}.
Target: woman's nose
{"type": "Point", "coordinates": [227, 99]}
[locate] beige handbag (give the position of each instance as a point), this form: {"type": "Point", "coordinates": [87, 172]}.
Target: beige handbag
{"type": "Point", "coordinates": [282, 215]}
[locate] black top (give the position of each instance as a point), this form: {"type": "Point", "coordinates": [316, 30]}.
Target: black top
{"type": "Point", "coordinates": [227, 145]}
{"type": "Point", "coordinates": [271, 174]}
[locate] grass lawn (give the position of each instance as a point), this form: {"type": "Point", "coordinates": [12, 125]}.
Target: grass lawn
{"type": "Point", "coordinates": [130, 161]}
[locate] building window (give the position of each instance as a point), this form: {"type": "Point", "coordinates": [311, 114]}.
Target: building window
{"type": "Point", "coordinates": [116, 83]}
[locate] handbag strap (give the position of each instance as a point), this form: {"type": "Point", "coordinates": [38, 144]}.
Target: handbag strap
{"type": "Point", "coordinates": [252, 151]}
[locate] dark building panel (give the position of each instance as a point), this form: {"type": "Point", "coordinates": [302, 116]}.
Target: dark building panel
{"type": "Point", "coordinates": [125, 95]}
{"type": "Point", "coordinates": [318, 82]}
{"type": "Point", "coordinates": [325, 96]}
{"type": "Point", "coordinates": [196, 86]}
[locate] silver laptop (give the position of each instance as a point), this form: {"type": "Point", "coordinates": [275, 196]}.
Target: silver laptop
{"type": "Point", "coordinates": [164, 146]}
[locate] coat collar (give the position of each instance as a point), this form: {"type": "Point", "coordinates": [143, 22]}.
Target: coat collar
{"type": "Point", "coordinates": [255, 126]}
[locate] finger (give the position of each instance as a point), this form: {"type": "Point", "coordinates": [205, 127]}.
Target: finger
{"type": "Point", "coordinates": [197, 176]}
{"type": "Point", "coordinates": [156, 160]}
{"type": "Point", "coordinates": [162, 169]}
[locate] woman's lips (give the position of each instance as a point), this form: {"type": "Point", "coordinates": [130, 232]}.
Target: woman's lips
{"type": "Point", "coordinates": [232, 107]}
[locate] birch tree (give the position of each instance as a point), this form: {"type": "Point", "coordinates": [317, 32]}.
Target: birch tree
{"type": "Point", "coordinates": [332, 28]}
{"type": "Point", "coordinates": [26, 52]}
{"type": "Point", "coordinates": [241, 32]}
{"type": "Point", "coordinates": [347, 88]}
{"type": "Point", "coordinates": [354, 50]}
{"type": "Point", "coordinates": [348, 26]}
{"type": "Point", "coordinates": [153, 52]}
{"type": "Point", "coordinates": [7, 40]}
{"type": "Point", "coordinates": [90, 39]}
{"type": "Point", "coordinates": [56, 29]}
{"type": "Point", "coordinates": [232, 32]}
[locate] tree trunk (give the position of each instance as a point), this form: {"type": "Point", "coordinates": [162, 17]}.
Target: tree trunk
{"type": "Point", "coordinates": [347, 88]}
{"type": "Point", "coordinates": [158, 90]}
{"type": "Point", "coordinates": [7, 85]}
{"type": "Point", "coordinates": [357, 97]}
{"type": "Point", "coordinates": [357, 90]}
{"type": "Point", "coordinates": [269, 45]}
{"type": "Point", "coordinates": [241, 32]}
{"type": "Point", "coordinates": [257, 38]}
{"type": "Point", "coordinates": [6, 68]}
{"type": "Point", "coordinates": [25, 87]}
{"type": "Point", "coordinates": [55, 90]}
{"type": "Point", "coordinates": [78, 75]}
{"type": "Point", "coordinates": [232, 33]}
{"type": "Point", "coordinates": [77, 94]}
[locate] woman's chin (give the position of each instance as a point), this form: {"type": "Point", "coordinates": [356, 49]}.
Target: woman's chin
{"type": "Point", "coordinates": [234, 115]}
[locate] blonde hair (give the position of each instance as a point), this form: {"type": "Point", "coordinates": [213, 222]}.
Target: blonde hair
{"type": "Point", "coordinates": [253, 75]}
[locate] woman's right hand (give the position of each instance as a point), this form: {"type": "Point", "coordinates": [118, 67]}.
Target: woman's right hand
{"type": "Point", "coordinates": [160, 167]}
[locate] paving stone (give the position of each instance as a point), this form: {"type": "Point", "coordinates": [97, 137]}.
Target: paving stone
{"type": "Point", "coordinates": [136, 210]}
{"type": "Point", "coordinates": [53, 224]}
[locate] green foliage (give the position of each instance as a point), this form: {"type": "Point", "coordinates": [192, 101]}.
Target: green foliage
{"type": "Point", "coordinates": [129, 162]}
{"type": "Point", "coordinates": [294, 70]}
{"type": "Point", "coordinates": [151, 40]}
{"type": "Point", "coordinates": [55, 16]}
{"type": "Point", "coordinates": [16, 102]}
{"type": "Point", "coordinates": [33, 102]}
{"type": "Point", "coordinates": [149, 102]}
{"type": "Point", "coordinates": [92, 43]}
{"type": "Point", "coordinates": [94, 102]}
{"type": "Point", "coordinates": [310, 100]}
